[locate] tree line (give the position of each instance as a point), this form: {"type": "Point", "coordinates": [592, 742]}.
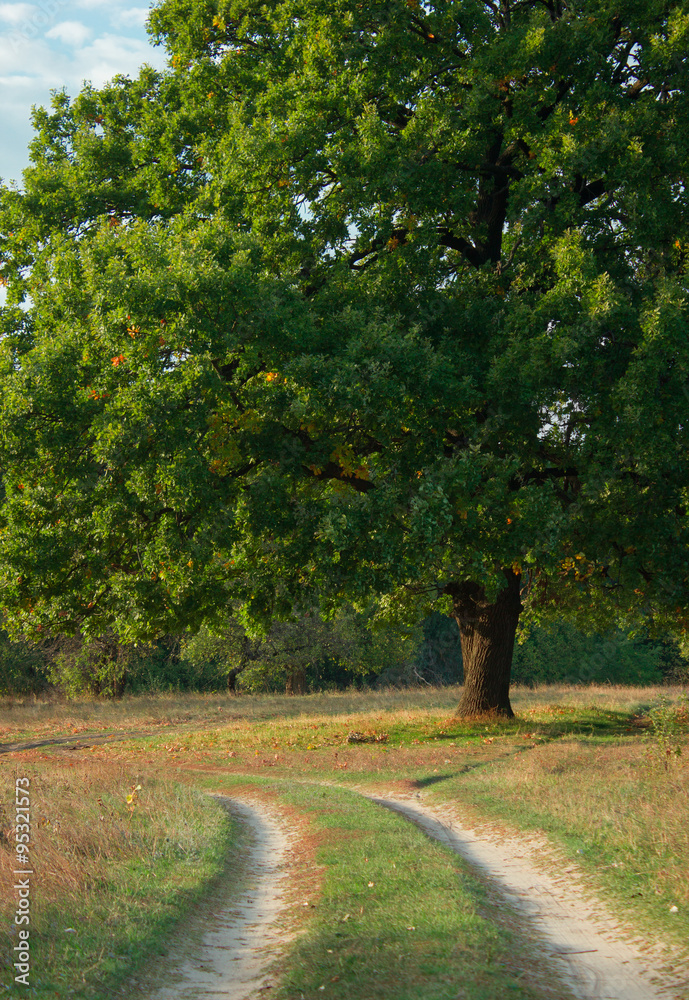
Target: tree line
{"type": "Point", "coordinates": [311, 656]}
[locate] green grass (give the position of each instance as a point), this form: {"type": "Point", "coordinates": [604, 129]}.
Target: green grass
{"type": "Point", "coordinates": [398, 916]}
{"type": "Point", "coordinates": [403, 728]}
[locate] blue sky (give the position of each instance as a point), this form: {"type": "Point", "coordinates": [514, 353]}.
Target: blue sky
{"type": "Point", "coordinates": [51, 44]}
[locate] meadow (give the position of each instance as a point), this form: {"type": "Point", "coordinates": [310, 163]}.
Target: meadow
{"type": "Point", "coordinates": [603, 772]}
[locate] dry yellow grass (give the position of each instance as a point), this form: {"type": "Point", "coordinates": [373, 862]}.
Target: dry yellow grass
{"type": "Point", "coordinates": [109, 874]}
{"type": "Point", "coordinates": [32, 716]}
{"type": "Point", "coordinates": [614, 796]}
{"type": "Point", "coordinates": [29, 717]}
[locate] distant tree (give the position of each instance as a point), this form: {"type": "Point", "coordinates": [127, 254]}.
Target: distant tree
{"type": "Point", "coordinates": [105, 667]}
{"type": "Point", "coordinates": [227, 650]}
{"type": "Point", "coordinates": [94, 667]}
{"type": "Point", "coordinates": [439, 658]}
{"type": "Point", "coordinates": [291, 650]}
{"type": "Point", "coordinates": [561, 654]}
{"type": "Point", "coordinates": [384, 297]}
{"type": "Point", "coordinates": [22, 667]}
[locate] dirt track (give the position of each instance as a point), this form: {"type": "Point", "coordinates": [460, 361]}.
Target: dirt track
{"type": "Point", "coordinates": [227, 949]}
{"type": "Point", "coordinates": [227, 953]}
{"type": "Point", "coordinates": [580, 938]}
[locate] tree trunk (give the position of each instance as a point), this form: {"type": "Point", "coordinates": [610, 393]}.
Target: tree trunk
{"type": "Point", "coordinates": [296, 682]}
{"type": "Point", "coordinates": [487, 634]}
{"type": "Point", "coordinates": [232, 679]}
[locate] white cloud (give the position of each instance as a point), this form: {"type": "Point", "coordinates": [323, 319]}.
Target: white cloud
{"type": "Point", "coordinates": [16, 13]}
{"type": "Point", "coordinates": [70, 32]}
{"type": "Point", "coordinates": [133, 17]}
{"type": "Point", "coordinates": [111, 55]}
{"type": "Point", "coordinates": [38, 54]}
{"type": "Point", "coordinates": [17, 80]}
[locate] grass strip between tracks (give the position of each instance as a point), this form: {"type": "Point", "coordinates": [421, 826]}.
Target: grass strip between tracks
{"type": "Point", "coordinates": [395, 916]}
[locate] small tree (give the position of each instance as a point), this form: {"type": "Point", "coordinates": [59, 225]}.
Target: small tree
{"type": "Point", "coordinates": [229, 650]}
{"type": "Point", "coordinates": [284, 654]}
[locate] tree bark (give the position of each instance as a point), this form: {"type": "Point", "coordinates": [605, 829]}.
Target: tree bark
{"type": "Point", "coordinates": [487, 633]}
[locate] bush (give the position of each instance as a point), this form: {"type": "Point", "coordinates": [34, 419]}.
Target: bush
{"type": "Point", "coordinates": [106, 668]}
{"type": "Point", "coordinates": [560, 653]}
{"type": "Point", "coordinates": [22, 667]}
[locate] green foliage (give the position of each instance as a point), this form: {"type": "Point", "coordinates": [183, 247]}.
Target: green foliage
{"type": "Point", "coordinates": [561, 653]}
{"type": "Point", "coordinates": [331, 655]}
{"type": "Point", "coordinates": [558, 653]}
{"type": "Point", "coordinates": [353, 298]}
{"type": "Point", "coordinates": [104, 667]}
{"type": "Point", "coordinates": [22, 667]}
{"type": "Point", "coordinates": [98, 667]}
{"type": "Point", "coordinates": [667, 736]}
{"type": "Point", "coordinates": [439, 659]}
{"type": "Point", "coordinates": [308, 652]}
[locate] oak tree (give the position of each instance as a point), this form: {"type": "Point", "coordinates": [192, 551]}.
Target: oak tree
{"type": "Point", "coordinates": [383, 297]}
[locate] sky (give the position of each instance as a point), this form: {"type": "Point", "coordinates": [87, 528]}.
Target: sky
{"type": "Point", "coordinates": [53, 44]}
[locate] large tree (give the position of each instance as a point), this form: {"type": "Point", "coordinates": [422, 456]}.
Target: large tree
{"type": "Point", "coordinates": [356, 297]}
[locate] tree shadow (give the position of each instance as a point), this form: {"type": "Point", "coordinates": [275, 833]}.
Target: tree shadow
{"type": "Point", "coordinates": [432, 779]}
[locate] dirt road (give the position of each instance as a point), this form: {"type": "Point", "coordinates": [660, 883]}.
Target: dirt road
{"type": "Point", "coordinates": [227, 949]}
{"type": "Point", "coordinates": [579, 938]}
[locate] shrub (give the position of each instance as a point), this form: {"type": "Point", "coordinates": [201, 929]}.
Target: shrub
{"type": "Point", "coordinates": [22, 667]}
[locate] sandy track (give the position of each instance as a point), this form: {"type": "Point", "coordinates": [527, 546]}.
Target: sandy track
{"type": "Point", "coordinates": [580, 939]}
{"type": "Point", "coordinates": [228, 948]}
{"type": "Point", "coordinates": [226, 952]}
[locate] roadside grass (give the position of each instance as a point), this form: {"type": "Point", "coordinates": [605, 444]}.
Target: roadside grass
{"type": "Point", "coordinates": [619, 808]}
{"type": "Point", "coordinates": [27, 718]}
{"type": "Point", "coordinates": [397, 916]}
{"type": "Point", "coordinates": [575, 763]}
{"type": "Point", "coordinates": [111, 877]}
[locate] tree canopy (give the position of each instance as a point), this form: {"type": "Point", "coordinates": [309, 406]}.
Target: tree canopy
{"type": "Point", "coordinates": [356, 298]}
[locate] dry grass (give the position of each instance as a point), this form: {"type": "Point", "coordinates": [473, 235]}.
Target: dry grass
{"type": "Point", "coordinates": [603, 697]}
{"type": "Point", "coordinates": [33, 716]}
{"type": "Point", "coordinates": [30, 717]}
{"type": "Point", "coordinates": [115, 872]}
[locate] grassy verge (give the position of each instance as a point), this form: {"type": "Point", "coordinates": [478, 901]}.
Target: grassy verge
{"type": "Point", "coordinates": [111, 876]}
{"type": "Point", "coordinates": [612, 805]}
{"type": "Point", "coordinates": [396, 915]}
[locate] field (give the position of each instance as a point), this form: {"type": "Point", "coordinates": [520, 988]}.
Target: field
{"type": "Point", "coordinates": [602, 772]}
